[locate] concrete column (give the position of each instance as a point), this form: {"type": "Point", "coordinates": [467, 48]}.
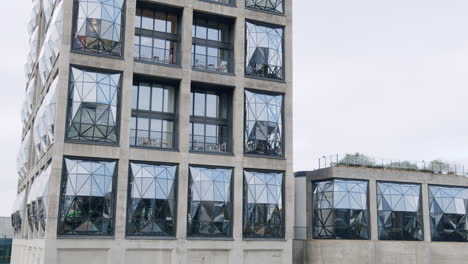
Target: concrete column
{"type": "Point", "coordinates": [374, 232]}
{"type": "Point", "coordinates": [425, 210]}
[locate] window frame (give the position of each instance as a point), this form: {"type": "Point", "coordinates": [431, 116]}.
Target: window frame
{"type": "Point", "coordinates": [267, 11]}
{"type": "Point", "coordinates": [154, 34]}
{"type": "Point", "coordinates": [149, 114]}
{"type": "Point", "coordinates": [283, 125]}
{"type": "Point", "coordinates": [218, 90]}
{"type": "Point", "coordinates": [64, 179]}
{"type": "Point", "coordinates": [244, 203]}
{"type": "Point", "coordinates": [176, 200]}
{"type": "Point", "coordinates": [231, 202]}
{"type": "Point", "coordinates": [283, 55]}
{"type": "Point", "coordinates": [206, 43]}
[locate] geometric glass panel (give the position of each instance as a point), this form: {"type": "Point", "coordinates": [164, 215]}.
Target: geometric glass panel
{"type": "Point", "coordinates": [448, 213]}
{"type": "Point", "coordinates": [87, 197]}
{"type": "Point", "coordinates": [263, 124]}
{"type": "Point", "coordinates": [99, 26]}
{"type": "Point", "coordinates": [210, 208]}
{"type": "Point", "coordinates": [264, 51]}
{"type": "Point", "coordinates": [152, 203]}
{"type": "Point", "coordinates": [274, 6]}
{"type": "Point", "coordinates": [264, 212]}
{"type": "Point", "coordinates": [17, 212]}
{"type": "Point", "coordinates": [93, 105]}
{"type": "Point", "coordinates": [340, 209]}
{"type": "Point", "coordinates": [399, 211]}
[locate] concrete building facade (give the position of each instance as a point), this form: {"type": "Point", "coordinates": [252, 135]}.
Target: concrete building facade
{"type": "Point", "coordinates": [156, 131]}
{"type": "Point", "coordinates": [374, 215]}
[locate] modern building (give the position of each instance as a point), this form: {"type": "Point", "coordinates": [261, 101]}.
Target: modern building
{"type": "Point", "coordinates": [376, 215]}
{"type": "Point", "coordinates": [156, 131]}
{"type": "Point", "coordinates": [6, 239]}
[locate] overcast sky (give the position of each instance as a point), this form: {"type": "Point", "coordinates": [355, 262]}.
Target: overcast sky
{"type": "Point", "coordinates": [385, 77]}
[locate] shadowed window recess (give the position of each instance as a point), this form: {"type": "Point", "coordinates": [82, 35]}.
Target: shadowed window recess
{"type": "Point", "coordinates": [37, 201]}
{"type": "Point", "coordinates": [263, 133]}
{"type": "Point", "coordinates": [210, 119]}
{"type": "Point", "coordinates": [152, 203]}
{"type": "Point", "coordinates": [153, 114]}
{"type": "Point", "coordinates": [93, 106]}
{"type": "Point", "coordinates": [87, 197]}
{"type": "Point", "coordinates": [264, 51]}
{"type": "Point", "coordinates": [210, 207]}
{"type": "Point", "coordinates": [448, 213]}
{"type": "Point", "coordinates": [399, 211]}
{"type": "Point", "coordinates": [212, 43]}
{"type": "Point", "coordinates": [17, 212]}
{"type": "Point", "coordinates": [340, 209]}
{"type": "Point", "coordinates": [274, 6]}
{"type": "Point", "coordinates": [157, 34]}
{"type": "Point", "coordinates": [98, 26]}
{"type": "Point", "coordinates": [264, 212]}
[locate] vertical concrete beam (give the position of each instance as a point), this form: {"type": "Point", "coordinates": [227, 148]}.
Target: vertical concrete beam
{"type": "Point", "coordinates": [425, 210]}
{"type": "Point", "coordinates": [374, 232]}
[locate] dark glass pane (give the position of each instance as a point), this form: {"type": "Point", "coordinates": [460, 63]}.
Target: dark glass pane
{"type": "Point", "coordinates": [275, 6]}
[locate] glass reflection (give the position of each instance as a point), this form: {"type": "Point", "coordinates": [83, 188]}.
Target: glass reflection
{"type": "Point", "coordinates": [210, 207]}
{"type": "Point", "coordinates": [340, 209]}
{"type": "Point", "coordinates": [275, 6]}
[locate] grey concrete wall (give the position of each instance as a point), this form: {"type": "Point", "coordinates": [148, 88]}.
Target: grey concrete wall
{"type": "Point", "coordinates": [51, 249]}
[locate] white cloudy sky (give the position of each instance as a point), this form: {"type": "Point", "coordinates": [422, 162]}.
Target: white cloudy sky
{"type": "Point", "coordinates": [387, 78]}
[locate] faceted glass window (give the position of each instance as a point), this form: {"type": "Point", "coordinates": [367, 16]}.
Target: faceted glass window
{"type": "Point", "coordinates": [87, 197]}
{"type": "Point", "coordinates": [93, 105]}
{"type": "Point", "coordinates": [210, 122]}
{"type": "Point", "coordinates": [263, 124]}
{"type": "Point", "coordinates": [448, 213]}
{"type": "Point", "coordinates": [157, 35]}
{"type": "Point", "coordinates": [23, 162]}
{"type": "Point", "coordinates": [210, 206]}
{"type": "Point", "coordinates": [264, 213]}
{"type": "Point", "coordinates": [99, 26]}
{"type": "Point", "coordinates": [152, 203]}
{"type": "Point", "coordinates": [153, 115]}
{"type": "Point", "coordinates": [212, 43]}
{"type": "Point", "coordinates": [17, 215]}
{"type": "Point", "coordinates": [264, 51]}
{"type": "Point", "coordinates": [399, 211]}
{"type": "Point", "coordinates": [274, 6]}
{"type": "Point", "coordinates": [340, 209]}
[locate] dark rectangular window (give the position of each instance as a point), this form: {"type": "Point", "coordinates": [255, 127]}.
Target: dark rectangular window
{"type": "Point", "coordinates": [210, 119]}
{"type": "Point", "coordinates": [157, 35]}
{"type": "Point", "coordinates": [226, 2]}
{"type": "Point", "coordinates": [153, 114]}
{"type": "Point", "coordinates": [212, 43]}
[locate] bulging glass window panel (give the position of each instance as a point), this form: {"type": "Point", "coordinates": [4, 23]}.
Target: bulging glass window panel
{"type": "Point", "coordinates": [152, 205]}
{"type": "Point", "coordinates": [32, 23]}
{"type": "Point", "coordinates": [448, 213]}
{"type": "Point", "coordinates": [340, 209]}
{"type": "Point", "coordinates": [22, 160]}
{"type": "Point", "coordinates": [44, 123]}
{"type": "Point", "coordinates": [274, 6]}
{"type": "Point", "coordinates": [210, 207]}
{"type": "Point", "coordinates": [17, 212]}
{"type": "Point", "coordinates": [87, 197]}
{"type": "Point", "coordinates": [42, 197]}
{"type": "Point", "coordinates": [26, 109]}
{"type": "Point", "coordinates": [264, 51]}
{"type": "Point", "coordinates": [399, 211]}
{"type": "Point", "coordinates": [264, 212]}
{"type": "Point", "coordinates": [93, 106]}
{"type": "Point", "coordinates": [263, 124]}
{"type": "Point", "coordinates": [31, 199]}
{"type": "Point", "coordinates": [51, 46]}
{"type": "Point", "coordinates": [31, 57]}
{"type": "Point", "coordinates": [98, 26]}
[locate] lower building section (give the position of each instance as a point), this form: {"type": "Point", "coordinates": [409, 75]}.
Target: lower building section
{"type": "Point", "coordinates": [378, 252]}
{"type": "Point", "coordinates": [115, 251]}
